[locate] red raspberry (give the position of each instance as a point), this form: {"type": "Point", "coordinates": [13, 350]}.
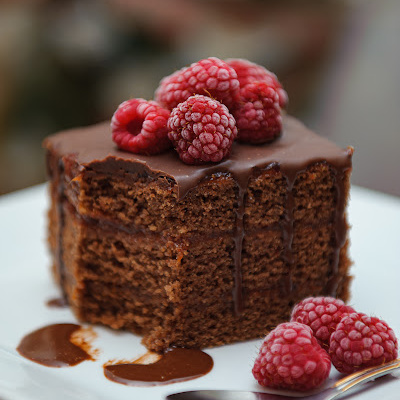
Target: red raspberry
{"type": "Point", "coordinates": [210, 77]}
{"type": "Point", "coordinates": [140, 126]}
{"type": "Point", "coordinates": [248, 72]}
{"type": "Point", "coordinates": [291, 358]}
{"type": "Point", "coordinates": [202, 130]}
{"type": "Point", "coordinates": [321, 314]}
{"type": "Point", "coordinates": [258, 115]}
{"type": "Point", "coordinates": [360, 341]}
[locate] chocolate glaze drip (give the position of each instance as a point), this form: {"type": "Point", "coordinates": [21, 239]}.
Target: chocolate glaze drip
{"type": "Point", "coordinates": [288, 229]}
{"type": "Point", "coordinates": [242, 181]}
{"type": "Point", "coordinates": [293, 152]}
{"type": "Point", "coordinates": [176, 365]}
{"type": "Point", "coordinates": [51, 346]}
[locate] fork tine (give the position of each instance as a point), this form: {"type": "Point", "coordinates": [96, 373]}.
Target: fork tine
{"type": "Point", "coordinates": [355, 375]}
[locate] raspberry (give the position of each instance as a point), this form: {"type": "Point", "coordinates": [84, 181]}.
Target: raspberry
{"type": "Point", "coordinates": [321, 314]}
{"type": "Point", "coordinates": [249, 72]}
{"type": "Point", "coordinates": [360, 341]}
{"type": "Point", "coordinates": [291, 358]}
{"type": "Point", "coordinates": [202, 130]}
{"type": "Point", "coordinates": [140, 126]}
{"type": "Point", "coordinates": [210, 77]}
{"type": "Point", "coordinates": [258, 115]}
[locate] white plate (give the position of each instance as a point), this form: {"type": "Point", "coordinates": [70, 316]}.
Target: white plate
{"type": "Point", "coordinates": [26, 285]}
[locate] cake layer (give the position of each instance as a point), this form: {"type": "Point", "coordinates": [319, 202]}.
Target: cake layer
{"type": "Point", "coordinates": [198, 325]}
{"type": "Point", "coordinates": [216, 324]}
{"type": "Point", "coordinates": [210, 206]}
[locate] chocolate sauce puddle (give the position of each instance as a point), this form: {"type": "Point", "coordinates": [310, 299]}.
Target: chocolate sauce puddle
{"type": "Point", "coordinates": [176, 365]}
{"type": "Point", "coordinates": [51, 346]}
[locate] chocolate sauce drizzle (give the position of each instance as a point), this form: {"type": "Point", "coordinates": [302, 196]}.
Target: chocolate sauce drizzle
{"type": "Point", "coordinates": [175, 365]}
{"type": "Point", "coordinates": [293, 152]}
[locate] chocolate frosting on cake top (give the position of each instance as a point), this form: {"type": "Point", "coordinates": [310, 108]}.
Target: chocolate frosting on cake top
{"type": "Point", "coordinates": [298, 147]}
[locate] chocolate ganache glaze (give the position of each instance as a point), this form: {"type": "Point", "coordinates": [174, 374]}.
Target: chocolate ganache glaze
{"type": "Point", "coordinates": [296, 149]}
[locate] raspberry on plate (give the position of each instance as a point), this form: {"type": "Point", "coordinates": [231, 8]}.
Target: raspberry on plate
{"type": "Point", "coordinates": [321, 314]}
{"type": "Point", "coordinates": [360, 341]}
{"type": "Point", "coordinates": [209, 77]}
{"type": "Point", "coordinates": [291, 358]}
{"type": "Point", "coordinates": [202, 130]}
{"type": "Point", "coordinates": [258, 115]}
{"type": "Point", "coordinates": [140, 126]}
{"type": "Point", "coordinates": [248, 72]}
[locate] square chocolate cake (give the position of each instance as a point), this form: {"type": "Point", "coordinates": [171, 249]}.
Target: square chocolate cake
{"type": "Point", "coordinates": [197, 256]}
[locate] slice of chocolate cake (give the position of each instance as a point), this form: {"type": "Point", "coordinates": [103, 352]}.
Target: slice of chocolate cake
{"type": "Point", "coordinates": [197, 256]}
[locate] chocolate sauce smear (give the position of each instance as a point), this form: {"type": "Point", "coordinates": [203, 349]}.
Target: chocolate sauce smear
{"type": "Point", "coordinates": [57, 302]}
{"type": "Point", "coordinates": [176, 365]}
{"type": "Point", "coordinates": [51, 346]}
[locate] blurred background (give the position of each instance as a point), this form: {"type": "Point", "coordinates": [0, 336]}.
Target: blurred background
{"type": "Point", "coordinates": [67, 63]}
